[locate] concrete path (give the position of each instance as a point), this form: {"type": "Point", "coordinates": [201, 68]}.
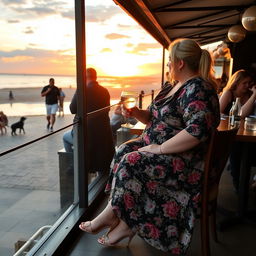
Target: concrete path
{"type": "Point", "coordinates": [29, 181]}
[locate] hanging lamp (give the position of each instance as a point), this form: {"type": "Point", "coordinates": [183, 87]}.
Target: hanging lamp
{"type": "Point", "coordinates": [236, 33]}
{"type": "Point", "coordinates": [249, 19]}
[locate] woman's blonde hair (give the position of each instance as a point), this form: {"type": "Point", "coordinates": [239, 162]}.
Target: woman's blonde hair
{"type": "Point", "coordinates": [236, 79]}
{"type": "Point", "coordinates": [197, 59]}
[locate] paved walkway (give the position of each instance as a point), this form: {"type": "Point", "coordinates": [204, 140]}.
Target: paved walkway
{"type": "Point", "coordinates": [29, 181]}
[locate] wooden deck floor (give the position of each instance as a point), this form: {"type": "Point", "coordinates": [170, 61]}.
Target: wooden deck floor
{"type": "Point", "coordinates": [236, 241]}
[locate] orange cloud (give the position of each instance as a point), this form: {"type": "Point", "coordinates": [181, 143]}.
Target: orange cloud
{"type": "Point", "coordinates": [106, 50]}
{"type": "Point", "coordinates": [143, 47]}
{"type": "Point", "coordinates": [16, 59]}
{"type": "Point", "coordinates": [114, 36]}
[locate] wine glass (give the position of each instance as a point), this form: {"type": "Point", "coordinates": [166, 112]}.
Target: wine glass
{"type": "Point", "coordinates": [129, 101]}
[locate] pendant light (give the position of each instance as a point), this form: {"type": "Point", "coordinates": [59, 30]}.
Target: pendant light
{"type": "Point", "coordinates": [249, 19]}
{"type": "Point", "coordinates": [236, 33]}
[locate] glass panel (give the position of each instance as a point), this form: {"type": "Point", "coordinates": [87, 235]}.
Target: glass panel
{"type": "Point", "coordinates": [36, 183]}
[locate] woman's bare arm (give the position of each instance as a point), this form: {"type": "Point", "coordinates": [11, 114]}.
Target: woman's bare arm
{"type": "Point", "coordinates": [181, 142]}
{"type": "Point", "coordinates": [225, 99]}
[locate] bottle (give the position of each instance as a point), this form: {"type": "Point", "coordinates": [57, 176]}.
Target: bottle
{"type": "Point", "coordinates": [235, 113]}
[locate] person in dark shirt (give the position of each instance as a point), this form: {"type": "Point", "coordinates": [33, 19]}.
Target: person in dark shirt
{"type": "Point", "coordinates": [99, 134]}
{"type": "Point", "coordinates": [51, 94]}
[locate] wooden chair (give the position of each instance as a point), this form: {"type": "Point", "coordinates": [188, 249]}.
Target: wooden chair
{"type": "Point", "coordinates": [216, 158]}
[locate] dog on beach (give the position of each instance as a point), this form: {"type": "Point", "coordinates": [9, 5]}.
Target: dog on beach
{"type": "Point", "coordinates": [18, 125]}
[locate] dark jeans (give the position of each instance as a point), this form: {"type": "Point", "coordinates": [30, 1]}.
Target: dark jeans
{"type": "Point", "coordinates": [235, 160]}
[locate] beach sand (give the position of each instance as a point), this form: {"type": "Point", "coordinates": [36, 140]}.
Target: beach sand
{"type": "Point", "coordinates": [29, 95]}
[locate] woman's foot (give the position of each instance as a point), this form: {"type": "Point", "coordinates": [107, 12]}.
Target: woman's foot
{"type": "Point", "coordinates": [106, 219]}
{"type": "Point", "coordinates": [95, 226]}
{"type": "Point", "coordinates": [114, 236]}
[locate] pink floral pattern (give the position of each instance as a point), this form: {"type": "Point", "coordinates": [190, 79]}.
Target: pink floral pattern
{"type": "Point", "coordinates": [157, 195]}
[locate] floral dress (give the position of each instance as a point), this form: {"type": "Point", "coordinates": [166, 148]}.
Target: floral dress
{"type": "Point", "coordinates": [157, 195]}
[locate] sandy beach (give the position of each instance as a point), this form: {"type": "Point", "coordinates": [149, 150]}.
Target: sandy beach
{"type": "Point", "coordinates": [29, 95]}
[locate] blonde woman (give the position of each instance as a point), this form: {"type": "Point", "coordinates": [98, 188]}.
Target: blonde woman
{"type": "Point", "coordinates": [155, 180]}
{"type": "Point", "coordinates": [239, 86]}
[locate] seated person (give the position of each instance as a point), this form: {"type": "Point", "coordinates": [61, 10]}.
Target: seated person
{"type": "Point", "coordinates": [98, 131]}
{"type": "Point", "coordinates": [155, 180]}
{"type": "Point", "coordinates": [117, 119]}
{"type": "Point", "coordinates": [239, 85]}
{"type": "Point", "coordinates": [3, 122]}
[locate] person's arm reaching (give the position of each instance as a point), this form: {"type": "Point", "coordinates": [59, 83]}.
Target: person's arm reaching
{"type": "Point", "coordinates": [248, 107]}
{"type": "Point", "coordinates": [141, 115]}
{"type": "Point", "coordinates": [44, 93]}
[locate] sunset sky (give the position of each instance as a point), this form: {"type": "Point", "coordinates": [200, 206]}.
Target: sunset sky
{"type": "Point", "coordinates": [38, 37]}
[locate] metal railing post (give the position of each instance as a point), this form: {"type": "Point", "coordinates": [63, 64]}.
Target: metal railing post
{"type": "Point", "coordinates": [141, 99]}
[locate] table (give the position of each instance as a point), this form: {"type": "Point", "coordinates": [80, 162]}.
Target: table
{"type": "Point", "coordinates": [138, 128]}
{"type": "Point", "coordinates": [244, 136]}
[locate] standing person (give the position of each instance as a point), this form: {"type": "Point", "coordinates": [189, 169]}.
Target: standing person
{"type": "Point", "coordinates": [155, 180]}
{"type": "Point", "coordinates": [61, 102]}
{"type": "Point", "coordinates": [99, 134]}
{"type": "Point", "coordinates": [11, 97]}
{"type": "Point", "coordinates": [51, 94]}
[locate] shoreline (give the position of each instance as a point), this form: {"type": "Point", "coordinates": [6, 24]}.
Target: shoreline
{"type": "Point", "coordinates": [29, 95]}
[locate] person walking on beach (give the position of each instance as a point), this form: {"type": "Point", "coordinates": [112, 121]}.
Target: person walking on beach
{"type": "Point", "coordinates": [52, 95]}
{"type": "Point", "coordinates": [11, 97]}
{"type": "Point", "coordinates": [61, 103]}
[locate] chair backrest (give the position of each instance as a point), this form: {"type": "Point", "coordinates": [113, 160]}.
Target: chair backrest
{"type": "Point", "coordinates": [216, 158]}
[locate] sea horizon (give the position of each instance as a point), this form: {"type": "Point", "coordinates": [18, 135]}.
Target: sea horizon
{"type": "Point", "coordinates": [27, 88]}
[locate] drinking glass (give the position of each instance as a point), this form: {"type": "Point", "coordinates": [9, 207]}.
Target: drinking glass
{"type": "Point", "coordinates": [129, 101]}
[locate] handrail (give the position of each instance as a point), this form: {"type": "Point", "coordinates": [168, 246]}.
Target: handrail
{"type": "Point", "coordinates": [31, 240]}
{"type": "Point", "coordinates": [63, 128]}
{"type": "Point", "coordinates": [35, 140]}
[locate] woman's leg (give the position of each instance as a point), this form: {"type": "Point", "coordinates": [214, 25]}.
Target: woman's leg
{"type": "Point", "coordinates": [132, 145]}
{"type": "Point", "coordinates": [68, 141]}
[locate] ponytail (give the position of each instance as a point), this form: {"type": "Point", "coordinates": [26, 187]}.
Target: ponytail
{"type": "Point", "coordinates": [206, 69]}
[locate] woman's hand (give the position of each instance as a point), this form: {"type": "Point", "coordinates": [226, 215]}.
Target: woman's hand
{"type": "Point", "coordinates": [253, 89]}
{"type": "Point", "coordinates": [128, 112]}
{"type": "Point", "coordinates": [153, 148]}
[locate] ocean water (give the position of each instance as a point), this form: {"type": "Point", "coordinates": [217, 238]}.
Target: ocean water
{"type": "Point", "coordinates": [28, 81]}
{"type": "Point", "coordinates": [115, 86]}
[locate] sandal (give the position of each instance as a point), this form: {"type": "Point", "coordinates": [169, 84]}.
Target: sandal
{"type": "Point", "coordinates": [87, 227]}
{"type": "Point", "coordinates": [104, 240]}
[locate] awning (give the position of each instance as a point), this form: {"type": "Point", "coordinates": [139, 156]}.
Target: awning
{"type": "Point", "coordinates": [206, 21]}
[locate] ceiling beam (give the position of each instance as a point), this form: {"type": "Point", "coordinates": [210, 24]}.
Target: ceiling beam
{"type": "Point", "coordinates": [207, 37]}
{"type": "Point", "coordinates": [196, 19]}
{"type": "Point", "coordinates": [169, 5]}
{"type": "Point", "coordinates": [204, 32]}
{"type": "Point", "coordinates": [208, 41]}
{"type": "Point", "coordinates": [201, 26]}
{"type": "Point", "coordinates": [206, 8]}
{"type": "Point", "coordinates": [220, 18]}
